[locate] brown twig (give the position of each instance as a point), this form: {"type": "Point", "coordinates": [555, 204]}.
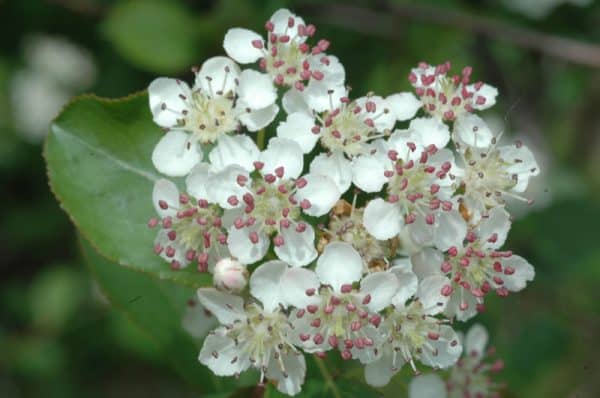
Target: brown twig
{"type": "Point", "coordinates": [385, 24]}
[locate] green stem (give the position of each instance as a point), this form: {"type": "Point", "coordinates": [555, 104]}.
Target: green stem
{"type": "Point", "coordinates": [260, 139]}
{"type": "Point", "coordinates": [328, 378]}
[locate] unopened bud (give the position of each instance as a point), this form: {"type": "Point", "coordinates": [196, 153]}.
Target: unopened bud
{"type": "Point", "coordinates": [230, 275]}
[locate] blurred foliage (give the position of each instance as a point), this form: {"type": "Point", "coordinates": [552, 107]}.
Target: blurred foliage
{"type": "Point", "coordinates": [58, 336]}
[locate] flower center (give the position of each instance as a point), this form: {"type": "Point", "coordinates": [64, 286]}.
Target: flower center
{"type": "Point", "coordinates": [486, 178]}
{"type": "Point", "coordinates": [210, 116]}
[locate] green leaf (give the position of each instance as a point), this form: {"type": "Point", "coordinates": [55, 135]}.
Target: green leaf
{"type": "Point", "coordinates": [159, 36]}
{"type": "Point", "coordinates": [157, 308]}
{"type": "Point", "coordinates": [99, 166]}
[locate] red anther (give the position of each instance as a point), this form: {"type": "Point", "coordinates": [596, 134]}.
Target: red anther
{"type": "Point", "coordinates": [175, 265]}
{"type": "Point", "coordinates": [423, 158]}
{"type": "Point", "coordinates": [403, 183]}
{"type": "Point", "coordinates": [456, 101]}
{"type": "Point", "coordinates": [202, 203]}
{"type": "Point", "coordinates": [323, 44]}
{"type": "Point", "coordinates": [301, 227]}
{"type": "Point", "coordinates": [392, 155]}
{"type": "Point", "coordinates": [449, 115]}
{"type": "Point", "coordinates": [167, 222]}
{"type": "Point", "coordinates": [222, 238]}
{"type": "Point", "coordinates": [153, 222]}
{"type": "Point", "coordinates": [497, 266]}
{"type": "Point", "coordinates": [284, 39]}
{"type": "Point", "coordinates": [393, 198]}
{"type": "Point", "coordinates": [299, 86]}
{"type": "Point", "coordinates": [304, 48]}
{"type": "Point", "coordinates": [359, 343]}
{"type": "Point", "coordinates": [420, 91]}
{"type": "Point", "coordinates": [248, 198]}
{"type": "Point", "coordinates": [310, 30]}
{"type": "Point", "coordinates": [262, 64]}
{"type": "Point", "coordinates": [442, 98]}
{"type": "Point", "coordinates": [257, 44]}
{"type": "Point", "coordinates": [388, 173]}
{"type": "Point", "coordinates": [316, 129]}
{"type": "Point", "coordinates": [369, 122]}
{"type": "Point", "coordinates": [446, 267]}
{"type": "Point", "coordinates": [172, 235]}
{"type": "Point", "coordinates": [318, 338]}
{"type": "Point", "coordinates": [335, 300]}
{"type": "Point", "coordinates": [333, 341]}
{"type": "Point", "coordinates": [183, 198]}
{"type": "Point", "coordinates": [305, 74]}
{"type": "Point", "coordinates": [478, 86]}
{"type": "Point", "coordinates": [285, 223]}
{"type": "Point", "coordinates": [430, 92]}
{"type": "Point", "coordinates": [232, 200]}
{"type": "Point", "coordinates": [158, 248]}
{"type": "Point", "coordinates": [278, 241]}
{"type": "Point", "coordinates": [471, 237]}
{"type": "Point", "coordinates": [446, 166]}
{"type": "Point", "coordinates": [370, 106]}
{"type": "Point", "coordinates": [477, 292]}
{"type": "Point", "coordinates": [497, 280]}
{"type": "Point", "coordinates": [310, 292]}
{"type": "Point", "coordinates": [258, 165]}
{"type": "Point", "coordinates": [412, 146]}
{"type": "Point", "coordinates": [410, 218]}
{"type": "Point", "coordinates": [446, 290]}
{"type": "Point", "coordinates": [253, 237]}
{"type": "Point", "coordinates": [273, 38]}
{"type": "Point", "coordinates": [290, 22]}
{"type": "Point", "coordinates": [269, 26]}
{"type": "Point", "coordinates": [346, 288]}
{"type": "Point", "coordinates": [217, 222]}
{"type": "Point", "coordinates": [312, 308]}
{"type": "Point", "coordinates": [304, 336]}
{"type": "Point", "coordinates": [497, 366]}
{"type": "Point", "coordinates": [348, 344]}
{"type": "Point", "coordinates": [279, 171]}
{"type": "Point", "coordinates": [316, 323]}
{"type": "Point", "coordinates": [300, 313]}
{"type": "Point", "coordinates": [430, 219]}
{"type": "Point", "coordinates": [493, 238]}
{"type": "Point", "coordinates": [502, 291]}
{"type": "Point", "coordinates": [480, 100]}
{"type": "Point", "coordinates": [270, 221]}
{"type": "Point", "coordinates": [434, 188]}
{"type": "Point", "coordinates": [355, 326]}
{"type": "Point", "coordinates": [336, 134]}
{"type": "Point", "coordinates": [464, 262]}
{"type": "Point", "coordinates": [278, 63]}
{"type": "Point", "coordinates": [375, 320]}
{"type": "Point", "coordinates": [346, 355]}
{"type": "Point", "coordinates": [305, 204]}
{"type": "Point", "coordinates": [269, 178]}
{"type": "Point", "coordinates": [412, 78]}
{"type": "Point", "coordinates": [446, 205]}
{"type": "Point", "coordinates": [301, 182]}
{"type": "Point", "coordinates": [463, 306]}
{"type": "Point", "coordinates": [169, 251]}
{"type": "Point", "coordinates": [163, 204]}
{"type": "Point", "coordinates": [241, 180]}
{"type": "Point", "coordinates": [190, 254]}
{"type": "Point", "coordinates": [318, 75]}
{"type": "Point", "coordinates": [367, 299]}
{"type": "Point", "coordinates": [433, 336]}
{"type": "Point", "coordinates": [328, 309]}
{"type": "Point", "coordinates": [279, 79]}
{"type": "Point", "coordinates": [509, 270]}
{"type": "Point", "coordinates": [350, 307]}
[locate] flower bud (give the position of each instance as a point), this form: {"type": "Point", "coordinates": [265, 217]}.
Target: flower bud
{"type": "Point", "coordinates": [230, 275]}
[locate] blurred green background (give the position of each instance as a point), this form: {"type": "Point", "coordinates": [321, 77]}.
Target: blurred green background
{"type": "Point", "coordinates": [58, 335]}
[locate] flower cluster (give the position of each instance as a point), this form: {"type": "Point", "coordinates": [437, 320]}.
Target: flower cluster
{"type": "Point", "coordinates": [393, 230]}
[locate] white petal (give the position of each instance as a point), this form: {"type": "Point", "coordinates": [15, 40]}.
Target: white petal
{"type": "Point", "coordinates": [332, 69]}
{"type": "Point", "coordinates": [427, 386]}
{"type": "Point", "coordinates": [265, 284]}
{"type": "Point", "coordinates": [320, 96]}
{"type": "Point", "coordinates": [238, 45]}
{"type": "Point", "coordinates": [404, 105]}
{"type": "Point", "coordinates": [165, 190]}
{"type": "Point", "coordinates": [408, 282]}
{"type": "Point", "coordinates": [427, 262]}
{"type": "Point", "coordinates": [173, 157]}
{"type": "Point", "coordinates": [280, 24]}
{"type": "Point", "coordinates": [432, 131]}
{"type": "Point", "coordinates": [284, 153]}
{"type": "Point", "coordinates": [163, 240]}
{"type": "Point", "coordinates": [495, 225]}
{"type": "Point", "coordinates": [430, 295]}
{"type": "Point", "coordinates": [450, 230]}
{"type": "Point", "coordinates": [473, 131]}
{"type": "Point", "coordinates": [420, 232]}
{"type": "Point", "coordinates": [218, 76]}
{"type": "Point", "coordinates": [321, 192]}
{"type": "Point", "coordinates": [486, 91]}
{"type": "Point", "coordinates": [243, 249]}
{"type": "Point", "coordinates": [380, 372]}
{"type": "Point", "coordinates": [294, 364]}
{"type": "Point", "coordinates": [476, 340]}
{"type": "Point", "coordinates": [197, 321]}
{"type": "Point", "coordinates": [336, 167]}
{"type": "Point", "coordinates": [226, 307]}
{"type": "Point", "coordinates": [294, 101]}
{"type": "Point", "coordinates": [381, 286]}
{"type": "Point", "coordinates": [225, 349]}
{"type": "Point", "coordinates": [340, 264]}
{"type": "Point", "coordinates": [224, 185]}
{"type": "Point", "coordinates": [298, 248]}
{"type": "Point", "coordinates": [297, 127]}
{"type": "Point", "coordinates": [294, 284]}
{"type": "Point", "coordinates": [256, 89]}
{"type": "Point", "coordinates": [453, 308]}
{"type": "Point", "coordinates": [522, 162]}
{"type": "Point", "coordinates": [382, 219]}
{"type": "Point", "coordinates": [443, 352]}
{"type": "Point", "coordinates": [197, 181]}
{"type": "Point", "coordinates": [237, 149]}
{"type": "Point", "coordinates": [260, 118]}
{"type": "Point", "coordinates": [383, 117]}
{"type": "Point", "coordinates": [368, 172]}
{"type": "Point", "coordinates": [524, 273]}
{"type": "Point", "coordinates": [165, 100]}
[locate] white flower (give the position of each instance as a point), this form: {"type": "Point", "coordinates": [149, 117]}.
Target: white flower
{"type": "Point", "coordinates": [230, 275]}
{"type": "Point", "coordinates": [493, 173]}
{"type": "Point", "coordinates": [222, 99]}
{"type": "Point", "coordinates": [417, 176]}
{"type": "Point", "coordinates": [270, 203]}
{"type": "Point", "coordinates": [197, 320]}
{"type": "Point", "coordinates": [447, 97]}
{"type": "Point", "coordinates": [472, 261]}
{"type": "Point", "coordinates": [332, 313]}
{"type": "Point", "coordinates": [411, 330]}
{"type": "Point", "coordinates": [191, 228]}
{"type": "Point", "coordinates": [285, 56]}
{"type": "Point", "coordinates": [254, 335]}
{"type": "Point", "coordinates": [427, 386]}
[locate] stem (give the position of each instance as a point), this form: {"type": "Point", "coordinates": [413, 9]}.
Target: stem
{"type": "Point", "coordinates": [328, 378]}
{"type": "Point", "coordinates": [260, 139]}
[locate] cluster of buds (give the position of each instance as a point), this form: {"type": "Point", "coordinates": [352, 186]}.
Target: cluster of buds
{"type": "Point", "coordinates": [373, 249]}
